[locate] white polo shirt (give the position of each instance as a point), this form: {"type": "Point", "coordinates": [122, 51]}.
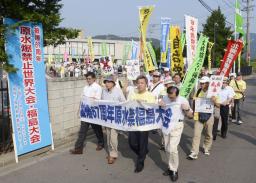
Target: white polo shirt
{"type": "Point", "coordinates": [94, 91]}
{"type": "Point", "coordinates": [225, 94]}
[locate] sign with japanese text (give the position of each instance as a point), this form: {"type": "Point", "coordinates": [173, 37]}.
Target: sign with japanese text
{"type": "Point", "coordinates": [194, 70]}
{"type": "Point", "coordinates": [231, 54]}
{"type": "Point", "coordinates": [165, 26]}
{"type": "Point", "coordinates": [135, 47]}
{"type": "Point", "coordinates": [27, 87]}
{"type": "Point", "coordinates": [127, 116]}
{"type": "Point", "coordinates": [214, 85]}
{"type": "Point", "coordinates": [204, 105]}
{"type": "Point", "coordinates": [177, 64]}
{"type": "Point", "coordinates": [191, 38]}
{"type": "Point", "coordinates": [133, 69]}
{"type": "Point", "coordinates": [144, 15]}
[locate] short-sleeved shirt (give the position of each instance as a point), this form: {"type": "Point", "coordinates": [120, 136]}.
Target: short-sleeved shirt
{"type": "Point", "coordinates": [177, 112]}
{"type": "Point", "coordinates": [241, 85]}
{"type": "Point", "coordinates": [202, 94]}
{"type": "Point", "coordinates": [225, 94]}
{"type": "Point", "coordinates": [115, 94]}
{"type": "Point", "coordinates": [94, 90]}
{"type": "Point", "coordinates": [144, 97]}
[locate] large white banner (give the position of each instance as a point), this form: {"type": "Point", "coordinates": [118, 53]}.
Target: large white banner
{"type": "Point", "coordinates": [191, 38]}
{"type": "Point", "coordinates": [127, 116]}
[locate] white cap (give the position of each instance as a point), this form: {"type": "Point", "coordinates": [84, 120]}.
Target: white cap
{"type": "Point", "coordinates": [232, 74]}
{"type": "Point", "coordinates": [166, 69]}
{"type": "Point", "coordinates": [204, 79]}
{"type": "Point", "coordinates": [168, 81]}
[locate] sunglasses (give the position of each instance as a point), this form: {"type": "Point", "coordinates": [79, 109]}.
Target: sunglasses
{"type": "Point", "coordinates": [156, 76]}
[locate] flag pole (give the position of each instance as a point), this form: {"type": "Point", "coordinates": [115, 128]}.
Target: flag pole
{"type": "Point", "coordinates": [234, 65]}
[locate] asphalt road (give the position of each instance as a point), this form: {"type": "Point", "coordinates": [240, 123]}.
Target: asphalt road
{"type": "Point", "coordinates": [232, 160]}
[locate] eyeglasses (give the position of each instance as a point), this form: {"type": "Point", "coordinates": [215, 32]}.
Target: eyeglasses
{"type": "Point", "coordinates": [156, 76]}
{"type": "Point", "coordinates": [88, 78]}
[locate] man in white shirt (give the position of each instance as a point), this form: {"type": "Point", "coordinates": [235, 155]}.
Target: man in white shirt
{"type": "Point", "coordinates": [94, 91]}
{"type": "Point", "coordinates": [172, 134]}
{"type": "Point", "coordinates": [226, 95]}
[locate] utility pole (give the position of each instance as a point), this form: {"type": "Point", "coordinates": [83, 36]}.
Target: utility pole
{"type": "Point", "coordinates": [248, 8]}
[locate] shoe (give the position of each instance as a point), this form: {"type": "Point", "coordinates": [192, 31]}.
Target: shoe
{"type": "Point", "coordinates": [162, 148]}
{"type": "Point", "coordinates": [99, 148]}
{"type": "Point", "coordinates": [167, 172]}
{"type": "Point", "coordinates": [174, 176]}
{"type": "Point", "coordinates": [214, 137]}
{"type": "Point", "coordinates": [192, 156]}
{"type": "Point", "coordinates": [206, 152]}
{"type": "Point", "coordinates": [154, 132]}
{"type": "Point", "coordinates": [223, 135]}
{"type": "Point", "coordinates": [76, 151]}
{"type": "Point", "coordinates": [111, 160]}
{"type": "Point", "coordinates": [139, 167]}
{"type": "Point", "coordinates": [233, 121]}
{"type": "Point", "coordinates": [240, 122]}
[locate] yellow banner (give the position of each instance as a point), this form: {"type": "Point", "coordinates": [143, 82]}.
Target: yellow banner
{"type": "Point", "coordinates": [210, 45]}
{"type": "Point", "coordinates": [177, 63]}
{"type": "Point", "coordinates": [144, 13]}
{"type": "Point", "coordinates": [90, 49]}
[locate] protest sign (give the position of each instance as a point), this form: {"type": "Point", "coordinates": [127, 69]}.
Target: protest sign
{"type": "Point", "coordinates": [204, 105]}
{"type": "Point", "coordinates": [27, 87]}
{"type": "Point", "coordinates": [214, 86]}
{"type": "Point", "coordinates": [133, 69]}
{"type": "Point", "coordinates": [165, 26]}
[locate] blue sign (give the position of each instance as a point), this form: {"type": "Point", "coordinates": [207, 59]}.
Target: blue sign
{"type": "Point", "coordinates": [27, 87]}
{"type": "Point", "coordinates": [165, 27]}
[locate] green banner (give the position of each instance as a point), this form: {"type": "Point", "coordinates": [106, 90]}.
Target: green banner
{"type": "Point", "coordinates": [194, 70]}
{"type": "Point", "coordinates": [183, 40]}
{"type": "Point", "coordinates": [104, 49]}
{"type": "Point", "coordinates": [126, 51]}
{"type": "Point", "coordinates": [152, 53]}
{"type": "Point", "coordinates": [239, 19]}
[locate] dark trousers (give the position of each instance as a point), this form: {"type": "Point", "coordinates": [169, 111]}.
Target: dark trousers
{"type": "Point", "coordinates": [224, 110]}
{"type": "Point", "coordinates": [138, 142]}
{"type": "Point", "coordinates": [215, 127]}
{"type": "Point", "coordinates": [236, 110]}
{"type": "Point", "coordinates": [83, 133]}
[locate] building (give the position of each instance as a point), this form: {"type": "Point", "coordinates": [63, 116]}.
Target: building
{"type": "Point", "coordinates": [77, 50]}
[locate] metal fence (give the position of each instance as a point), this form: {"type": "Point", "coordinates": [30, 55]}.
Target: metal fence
{"type": "Point", "coordinates": [6, 144]}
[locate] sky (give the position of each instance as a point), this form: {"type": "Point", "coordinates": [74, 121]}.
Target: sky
{"type": "Point", "coordinates": [121, 17]}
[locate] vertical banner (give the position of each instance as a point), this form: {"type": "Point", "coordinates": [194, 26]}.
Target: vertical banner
{"type": "Point", "coordinates": [27, 87]}
{"type": "Point", "coordinates": [152, 53]}
{"type": "Point", "coordinates": [231, 54]}
{"type": "Point", "coordinates": [191, 38]}
{"type": "Point", "coordinates": [194, 70]}
{"type": "Point", "coordinates": [177, 64]}
{"type": "Point", "coordinates": [168, 61]}
{"type": "Point", "coordinates": [133, 69]}
{"type": "Point", "coordinates": [65, 56]}
{"type": "Point", "coordinates": [210, 45]}
{"type": "Point", "coordinates": [104, 49]}
{"type": "Point", "coordinates": [145, 13]}
{"type": "Point", "coordinates": [183, 40]}
{"type": "Point", "coordinates": [165, 26]}
{"type": "Point", "coordinates": [126, 51]}
{"type": "Point", "coordinates": [134, 50]}
{"type": "Point", "coordinates": [90, 49]}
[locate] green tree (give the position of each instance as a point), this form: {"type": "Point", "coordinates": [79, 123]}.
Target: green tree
{"type": "Point", "coordinates": [47, 12]}
{"type": "Point", "coordinates": [223, 32]}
